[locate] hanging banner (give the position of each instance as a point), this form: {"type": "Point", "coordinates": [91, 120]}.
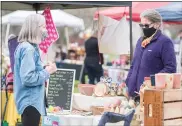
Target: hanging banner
{"type": "Point", "coordinates": [51, 29]}
{"type": "Point", "coordinates": [113, 36]}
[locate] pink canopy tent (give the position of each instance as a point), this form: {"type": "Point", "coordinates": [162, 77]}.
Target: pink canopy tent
{"type": "Point", "coordinates": [137, 7]}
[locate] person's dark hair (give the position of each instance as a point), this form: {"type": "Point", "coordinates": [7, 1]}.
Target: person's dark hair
{"type": "Point", "coordinates": [71, 51]}
{"type": "Point", "coordinates": [57, 54]}
{"type": "Point", "coordinates": [180, 31]}
{"type": "Point", "coordinates": [60, 47]}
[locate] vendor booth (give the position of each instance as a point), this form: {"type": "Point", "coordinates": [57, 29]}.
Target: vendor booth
{"type": "Point", "coordinates": [61, 18]}
{"type": "Point", "coordinates": [108, 102]}
{"type": "Point", "coordinates": [170, 11]}
{"type": "Point", "coordinates": [64, 5]}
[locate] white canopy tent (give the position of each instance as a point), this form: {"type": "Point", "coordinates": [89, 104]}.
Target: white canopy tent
{"type": "Point", "coordinates": [60, 18]}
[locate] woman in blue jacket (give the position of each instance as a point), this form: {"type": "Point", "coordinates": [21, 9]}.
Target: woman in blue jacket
{"type": "Point", "coordinates": [154, 52]}
{"type": "Point", "coordinates": [29, 74]}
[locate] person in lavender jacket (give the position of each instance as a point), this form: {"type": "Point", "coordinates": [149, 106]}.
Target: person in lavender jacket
{"type": "Point", "coordinates": [154, 52]}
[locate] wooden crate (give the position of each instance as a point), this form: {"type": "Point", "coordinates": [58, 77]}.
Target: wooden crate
{"type": "Point", "coordinates": [97, 110]}
{"type": "Point", "coordinates": [163, 107]}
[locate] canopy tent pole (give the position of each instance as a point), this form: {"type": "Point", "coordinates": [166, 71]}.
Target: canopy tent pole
{"type": "Point", "coordinates": [131, 36]}
{"type": "Point", "coordinates": [4, 82]}
{"type": "Point", "coordinates": [67, 36]}
{"type": "Point", "coordinates": [180, 55]}
{"type": "Point", "coordinates": [82, 71]}
{"type": "Point", "coordinates": [178, 51]}
{"type": "Point", "coordinates": [7, 34]}
{"type": "Point", "coordinates": [36, 6]}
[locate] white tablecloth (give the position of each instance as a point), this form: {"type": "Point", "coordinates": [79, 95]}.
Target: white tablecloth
{"type": "Point", "coordinates": [83, 102]}
{"type": "Point", "coordinates": [96, 120]}
{"type": "Point", "coordinates": [78, 120]}
{"type": "Point", "coordinates": [75, 120]}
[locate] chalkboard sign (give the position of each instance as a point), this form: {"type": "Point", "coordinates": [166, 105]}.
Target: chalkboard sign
{"type": "Point", "coordinates": [60, 88]}
{"type": "Point", "coordinates": [76, 67]}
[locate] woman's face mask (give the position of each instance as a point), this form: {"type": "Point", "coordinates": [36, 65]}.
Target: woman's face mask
{"type": "Point", "coordinates": [44, 33]}
{"type": "Point", "coordinates": [147, 27]}
{"type": "Point", "coordinates": [149, 31]}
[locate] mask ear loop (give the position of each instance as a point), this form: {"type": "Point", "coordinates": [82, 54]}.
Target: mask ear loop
{"type": "Point", "coordinates": [161, 27]}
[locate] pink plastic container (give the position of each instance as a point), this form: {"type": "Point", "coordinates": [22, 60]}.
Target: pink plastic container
{"type": "Point", "coordinates": [160, 81]}
{"type": "Point", "coordinates": [177, 81]}
{"type": "Point", "coordinates": [86, 89]}
{"type": "Point", "coordinates": [54, 123]}
{"type": "Point", "coordinates": [164, 81]}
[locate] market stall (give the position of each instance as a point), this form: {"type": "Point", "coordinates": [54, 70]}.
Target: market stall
{"type": "Point", "coordinates": [137, 7]}
{"type": "Point", "coordinates": [61, 19]}
{"type": "Point", "coordinates": [108, 97]}
{"type": "Point", "coordinates": [166, 9]}
{"type": "Point", "coordinates": [89, 104]}
{"type": "Point", "coordinates": [82, 4]}
{"type": "Point", "coordinates": [171, 12]}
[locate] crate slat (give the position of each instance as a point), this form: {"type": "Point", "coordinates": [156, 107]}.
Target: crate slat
{"type": "Point", "coordinates": [173, 95]}
{"type": "Point", "coordinates": [172, 110]}
{"type": "Point", "coordinates": [175, 122]}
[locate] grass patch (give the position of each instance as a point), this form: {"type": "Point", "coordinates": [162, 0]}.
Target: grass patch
{"type": "Point", "coordinates": [76, 86]}
{"type": "Point", "coordinates": [76, 90]}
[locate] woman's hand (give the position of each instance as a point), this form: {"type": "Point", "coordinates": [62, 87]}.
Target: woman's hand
{"type": "Point", "coordinates": [51, 68]}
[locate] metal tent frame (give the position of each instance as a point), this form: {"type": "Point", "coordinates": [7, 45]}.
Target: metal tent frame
{"type": "Point", "coordinates": [40, 5]}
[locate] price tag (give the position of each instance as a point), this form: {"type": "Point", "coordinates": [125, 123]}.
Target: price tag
{"type": "Point", "coordinates": [47, 121]}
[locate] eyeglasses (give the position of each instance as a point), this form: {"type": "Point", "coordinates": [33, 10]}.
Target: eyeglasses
{"type": "Point", "coordinates": [145, 25]}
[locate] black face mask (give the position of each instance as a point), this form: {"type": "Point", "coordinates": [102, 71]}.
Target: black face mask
{"type": "Point", "coordinates": [149, 31]}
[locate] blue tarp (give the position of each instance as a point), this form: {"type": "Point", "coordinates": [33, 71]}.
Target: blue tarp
{"type": "Point", "coordinates": [171, 12]}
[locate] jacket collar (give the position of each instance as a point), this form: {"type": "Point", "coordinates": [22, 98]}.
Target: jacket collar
{"type": "Point", "coordinates": [34, 45]}
{"type": "Point", "coordinates": [156, 35]}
